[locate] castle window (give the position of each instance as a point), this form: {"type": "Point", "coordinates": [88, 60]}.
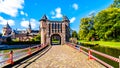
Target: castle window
{"type": "Point", "coordinates": [49, 28]}
{"type": "Point", "coordinates": [53, 25]}
{"type": "Point", "coordinates": [59, 26]}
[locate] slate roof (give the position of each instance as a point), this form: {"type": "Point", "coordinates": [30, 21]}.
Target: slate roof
{"type": "Point", "coordinates": [44, 17]}
{"type": "Point", "coordinates": [7, 26]}
{"type": "Point", "coordinates": [65, 18]}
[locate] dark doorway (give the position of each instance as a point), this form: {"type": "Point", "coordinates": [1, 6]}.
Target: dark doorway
{"type": "Point", "coordinates": [55, 39]}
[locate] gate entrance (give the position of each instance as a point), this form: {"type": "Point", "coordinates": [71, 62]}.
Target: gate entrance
{"type": "Point", "coordinates": [54, 32]}
{"type": "Point", "coordinates": [55, 39]}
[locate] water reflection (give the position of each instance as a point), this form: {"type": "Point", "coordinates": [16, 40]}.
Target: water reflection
{"type": "Point", "coordinates": [1, 57]}
{"type": "Point", "coordinates": [107, 50]}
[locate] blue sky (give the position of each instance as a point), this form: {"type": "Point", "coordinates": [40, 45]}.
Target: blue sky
{"type": "Point", "coordinates": [19, 13]}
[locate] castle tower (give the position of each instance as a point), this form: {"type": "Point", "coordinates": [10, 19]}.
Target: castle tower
{"type": "Point", "coordinates": [66, 20]}
{"type": "Point", "coordinates": [66, 28]}
{"type": "Point", "coordinates": [6, 30]}
{"type": "Point", "coordinates": [54, 32]}
{"type": "Point", "coordinates": [43, 26]}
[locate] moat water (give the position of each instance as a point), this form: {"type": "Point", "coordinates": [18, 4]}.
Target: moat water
{"type": "Point", "coordinates": [7, 48]}
{"type": "Point", "coordinates": [107, 50]}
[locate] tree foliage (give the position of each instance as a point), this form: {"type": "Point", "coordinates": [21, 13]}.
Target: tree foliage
{"type": "Point", "coordinates": [105, 25]}
{"type": "Point", "coordinates": [0, 34]}
{"type": "Point", "coordinates": [37, 38]}
{"type": "Point", "coordinates": [116, 4]}
{"type": "Point", "coordinates": [74, 34]}
{"type": "Point", "coordinates": [87, 31]}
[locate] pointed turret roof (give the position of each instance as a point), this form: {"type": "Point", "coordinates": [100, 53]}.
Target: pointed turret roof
{"type": "Point", "coordinates": [7, 26]}
{"type": "Point", "coordinates": [29, 26]}
{"type": "Point", "coordinates": [65, 18]}
{"type": "Point", "coordinates": [44, 17]}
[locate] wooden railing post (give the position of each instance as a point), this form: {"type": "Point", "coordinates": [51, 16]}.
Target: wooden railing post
{"type": "Point", "coordinates": [11, 57]}
{"type": "Point", "coordinates": [80, 49]}
{"type": "Point", "coordinates": [29, 51]}
{"type": "Point", "coordinates": [74, 46]}
{"type": "Point", "coordinates": [42, 45]}
{"type": "Point", "coordinates": [37, 47]}
{"type": "Point", "coordinates": [89, 54]}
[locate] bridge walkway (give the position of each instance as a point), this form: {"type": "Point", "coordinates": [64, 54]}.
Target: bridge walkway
{"type": "Point", "coordinates": [60, 56]}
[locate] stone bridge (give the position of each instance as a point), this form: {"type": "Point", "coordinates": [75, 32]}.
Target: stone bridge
{"type": "Point", "coordinates": [59, 56]}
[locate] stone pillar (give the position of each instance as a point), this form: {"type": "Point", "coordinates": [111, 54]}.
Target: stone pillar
{"type": "Point", "coordinates": [48, 39]}
{"type": "Point", "coordinates": [42, 36]}
{"type": "Point", "coordinates": [63, 34]}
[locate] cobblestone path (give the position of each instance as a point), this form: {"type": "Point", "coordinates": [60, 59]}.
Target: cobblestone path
{"type": "Point", "coordinates": [62, 56]}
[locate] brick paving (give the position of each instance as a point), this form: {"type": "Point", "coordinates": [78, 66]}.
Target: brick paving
{"type": "Point", "coordinates": [62, 56]}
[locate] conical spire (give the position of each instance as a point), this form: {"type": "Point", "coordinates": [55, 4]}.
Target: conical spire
{"type": "Point", "coordinates": [44, 17]}
{"type": "Point", "coordinates": [7, 25]}
{"type": "Point", "coordinates": [65, 18]}
{"type": "Point", "coordinates": [29, 26]}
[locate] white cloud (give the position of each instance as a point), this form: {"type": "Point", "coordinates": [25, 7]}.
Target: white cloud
{"type": "Point", "coordinates": [23, 13]}
{"type": "Point", "coordinates": [4, 21]}
{"type": "Point", "coordinates": [72, 19]}
{"type": "Point", "coordinates": [75, 6]}
{"type": "Point", "coordinates": [92, 13]}
{"type": "Point", "coordinates": [34, 23]}
{"type": "Point", "coordinates": [24, 23]}
{"type": "Point", "coordinates": [26, 14]}
{"type": "Point", "coordinates": [20, 29]}
{"type": "Point", "coordinates": [58, 13]}
{"type": "Point", "coordinates": [58, 10]}
{"type": "Point", "coordinates": [10, 7]}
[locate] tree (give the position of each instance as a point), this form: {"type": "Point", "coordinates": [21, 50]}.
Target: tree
{"type": "Point", "coordinates": [116, 4]}
{"type": "Point", "coordinates": [74, 34]}
{"type": "Point", "coordinates": [84, 28]}
{"type": "Point", "coordinates": [87, 31]}
{"type": "Point", "coordinates": [8, 39]}
{"type": "Point", "coordinates": [37, 38]}
{"type": "Point", "coordinates": [107, 24]}
{"type": "Point", "coordinates": [104, 26]}
{"type": "Point", "coordinates": [0, 34]}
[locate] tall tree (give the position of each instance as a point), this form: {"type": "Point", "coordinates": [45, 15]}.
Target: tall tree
{"type": "Point", "coordinates": [0, 34]}
{"type": "Point", "coordinates": [116, 4]}
{"type": "Point", "coordinates": [107, 23]}
{"type": "Point", "coordinates": [84, 28]}
{"type": "Point", "coordinates": [74, 34]}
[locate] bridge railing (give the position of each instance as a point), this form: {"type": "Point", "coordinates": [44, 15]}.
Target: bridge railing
{"type": "Point", "coordinates": [90, 56]}
{"type": "Point", "coordinates": [12, 56]}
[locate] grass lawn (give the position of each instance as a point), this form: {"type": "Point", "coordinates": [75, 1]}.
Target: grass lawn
{"type": "Point", "coordinates": [55, 41]}
{"type": "Point", "coordinates": [104, 43]}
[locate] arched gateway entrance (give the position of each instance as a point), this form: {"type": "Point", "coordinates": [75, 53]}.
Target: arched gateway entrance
{"type": "Point", "coordinates": [54, 32]}
{"type": "Point", "coordinates": [55, 39]}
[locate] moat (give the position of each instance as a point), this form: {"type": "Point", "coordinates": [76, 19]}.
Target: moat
{"type": "Point", "coordinates": [107, 50]}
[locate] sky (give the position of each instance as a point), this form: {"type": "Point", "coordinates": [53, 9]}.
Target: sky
{"type": "Point", "coordinates": [18, 13]}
